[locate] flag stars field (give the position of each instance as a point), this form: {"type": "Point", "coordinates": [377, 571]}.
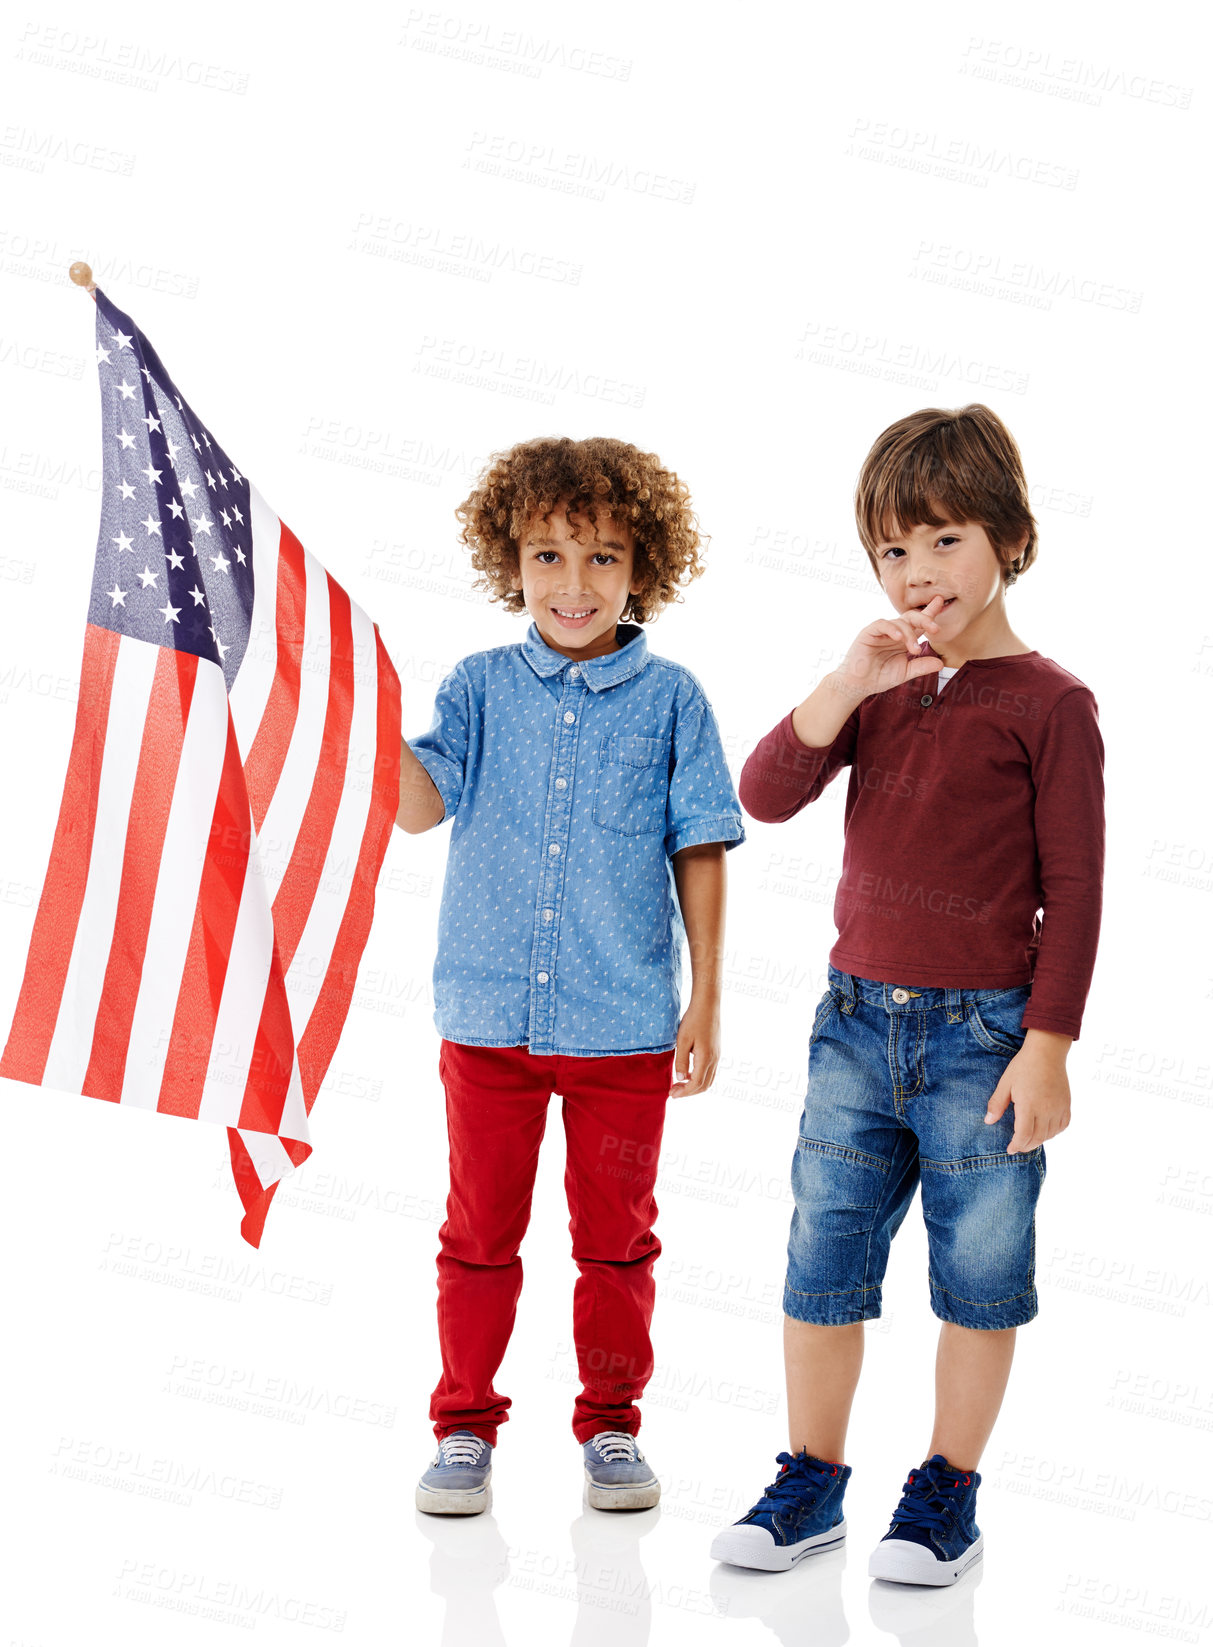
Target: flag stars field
{"type": "Point", "coordinates": [175, 479]}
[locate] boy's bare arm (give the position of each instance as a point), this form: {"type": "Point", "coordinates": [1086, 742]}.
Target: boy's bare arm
{"type": "Point", "coordinates": [420, 803]}
{"type": "Point", "coordinates": [883, 655]}
{"type": "Point", "coordinates": [823, 714]}
{"type": "Point", "coordinates": [699, 877]}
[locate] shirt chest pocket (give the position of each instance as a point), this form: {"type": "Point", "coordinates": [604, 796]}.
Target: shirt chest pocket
{"type": "Point", "coordinates": [633, 782]}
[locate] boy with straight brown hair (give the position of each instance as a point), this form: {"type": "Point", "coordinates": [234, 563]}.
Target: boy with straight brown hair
{"type": "Point", "coordinates": [968, 917]}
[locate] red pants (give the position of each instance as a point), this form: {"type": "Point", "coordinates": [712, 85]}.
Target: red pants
{"type": "Point", "coordinates": [496, 1106]}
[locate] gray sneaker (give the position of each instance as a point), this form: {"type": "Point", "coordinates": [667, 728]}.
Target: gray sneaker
{"type": "Point", "coordinates": [616, 1474]}
{"type": "Point", "coordinates": [458, 1480]}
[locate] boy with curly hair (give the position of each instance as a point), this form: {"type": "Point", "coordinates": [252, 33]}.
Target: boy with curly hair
{"type": "Point", "coordinates": [591, 809]}
{"type": "Point", "coordinates": [937, 1055]}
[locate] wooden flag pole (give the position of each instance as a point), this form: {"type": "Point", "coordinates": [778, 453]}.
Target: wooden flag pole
{"type": "Point", "coordinates": [82, 275]}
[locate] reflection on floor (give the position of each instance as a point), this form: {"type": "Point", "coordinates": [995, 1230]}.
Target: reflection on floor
{"type": "Point", "coordinates": [800, 1606]}
{"type": "Point", "coordinates": [469, 1560]}
{"type": "Point", "coordinates": [922, 1616]}
{"type": "Point", "coordinates": [806, 1604]}
{"type": "Point", "coordinates": [604, 1574]}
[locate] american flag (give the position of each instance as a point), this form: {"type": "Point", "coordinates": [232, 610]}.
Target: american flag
{"type": "Point", "coordinates": [229, 797]}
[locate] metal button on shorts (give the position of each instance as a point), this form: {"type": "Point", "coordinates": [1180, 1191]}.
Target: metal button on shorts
{"type": "Point", "coordinates": [901, 996]}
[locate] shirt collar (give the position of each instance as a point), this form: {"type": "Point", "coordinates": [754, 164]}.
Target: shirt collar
{"type": "Point", "coordinates": [597, 673]}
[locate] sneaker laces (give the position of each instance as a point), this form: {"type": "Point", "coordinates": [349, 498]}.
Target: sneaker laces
{"type": "Point", "coordinates": [458, 1450]}
{"type": "Point", "coordinates": [925, 1498]}
{"type": "Point", "coordinates": [789, 1485]}
{"type": "Point", "coordinates": [615, 1446]}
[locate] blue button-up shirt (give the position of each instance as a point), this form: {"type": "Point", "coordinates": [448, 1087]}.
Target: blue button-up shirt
{"type": "Point", "coordinates": [570, 785]}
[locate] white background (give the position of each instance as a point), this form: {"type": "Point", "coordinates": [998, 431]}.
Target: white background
{"type": "Point", "coordinates": [373, 246]}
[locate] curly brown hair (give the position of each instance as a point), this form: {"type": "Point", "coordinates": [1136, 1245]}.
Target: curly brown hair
{"type": "Point", "coordinates": [634, 487]}
{"type": "Point", "coordinates": [964, 463]}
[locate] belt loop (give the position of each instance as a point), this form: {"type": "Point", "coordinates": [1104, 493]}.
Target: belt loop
{"type": "Point", "coordinates": [955, 1004]}
{"type": "Point", "coordinates": [848, 992]}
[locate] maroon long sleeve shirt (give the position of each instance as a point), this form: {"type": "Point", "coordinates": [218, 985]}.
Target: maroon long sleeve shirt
{"type": "Point", "coordinates": [970, 811]}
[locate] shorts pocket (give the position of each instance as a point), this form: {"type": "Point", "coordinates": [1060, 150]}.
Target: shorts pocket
{"type": "Point", "coordinates": [826, 1009]}
{"type": "Point", "coordinates": [997, 1020]}
{"type": "Point", "coordinates": [633, 785]}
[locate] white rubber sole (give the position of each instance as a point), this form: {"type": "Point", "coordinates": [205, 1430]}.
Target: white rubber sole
{"type": "Point", "coordinates": [448, 1501]}
{"type": "Point", "coordinates": [750, 1546]}
{"type": "Point", "coordinates": [900, 1562]}
{"type": "Point", "coordinates": [641, 1497]}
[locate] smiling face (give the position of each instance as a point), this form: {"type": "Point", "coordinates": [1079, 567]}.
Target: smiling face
{"type": "Point", "coordinates": [576, 579]}
{"type": "Point", "coordinates": [957, 561]}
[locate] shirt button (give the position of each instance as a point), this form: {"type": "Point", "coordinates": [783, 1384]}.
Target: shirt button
{"type": "Point", "coordinates": [901, 996]}
{"type": "Point", "coordinates": [562, 783]}
{"type": "Point", "coordinates": [926, 700]}
{"type": "Point", "coordinates": [553, 850]}
{"type": "Point", "coordinates": [569, 717]}
{"type": "Point", "coordinates": [542, 976]}
{"type": "Point", "coordinates": [575, 670]}
{"type": "Point", "coordinates": [547, 914]}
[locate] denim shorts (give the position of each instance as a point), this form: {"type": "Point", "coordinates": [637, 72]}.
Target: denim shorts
{"type": "Point", "coordinates": [897, 1093]}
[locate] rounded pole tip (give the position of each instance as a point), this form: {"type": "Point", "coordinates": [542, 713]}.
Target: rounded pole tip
{"type": "Point", "coordinates": [82, 275]}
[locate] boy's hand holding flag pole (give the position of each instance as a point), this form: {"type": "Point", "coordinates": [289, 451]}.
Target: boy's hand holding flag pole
{"type": "Point", "coordinates": [231, 788]}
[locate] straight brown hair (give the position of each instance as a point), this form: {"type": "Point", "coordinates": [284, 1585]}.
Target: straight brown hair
{"type": "Point", "coordinates": [935, 466]}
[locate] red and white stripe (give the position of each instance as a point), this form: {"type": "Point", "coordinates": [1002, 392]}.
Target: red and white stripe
{"type": "Point", "coordinates": [211, 883]}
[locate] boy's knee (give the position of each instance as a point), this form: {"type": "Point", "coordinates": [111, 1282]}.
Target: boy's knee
{"type": "Point", "coordinates": [590, 1249]}
{"type": "Point", "coordinates": [479, 1250]}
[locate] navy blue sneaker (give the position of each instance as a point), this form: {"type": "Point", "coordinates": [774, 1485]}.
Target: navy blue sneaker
{"type": "Point", "coordinates": [799, 1514]}
{"type": "Point", "coordinates": [933, 1537]}
{"type": "Point", "coordinates": [459, 1481]}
